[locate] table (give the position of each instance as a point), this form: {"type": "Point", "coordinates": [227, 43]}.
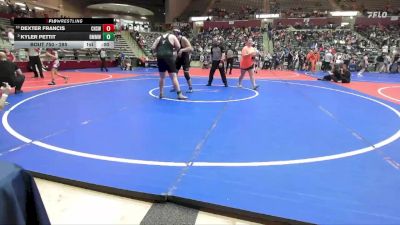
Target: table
{"type": "Point", "coordinates": [20, 201]}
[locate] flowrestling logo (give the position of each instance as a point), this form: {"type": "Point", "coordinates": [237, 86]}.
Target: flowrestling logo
{"type": "Point", "coordinates": [377, 14]}
{"type": "Point", "coordinates": [65, 21]}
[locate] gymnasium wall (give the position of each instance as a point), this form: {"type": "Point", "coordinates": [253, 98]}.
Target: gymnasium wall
{"type": "Point", "coordinates": [174, 8]}
{"type": "Point", "coordinates": [72, 8]}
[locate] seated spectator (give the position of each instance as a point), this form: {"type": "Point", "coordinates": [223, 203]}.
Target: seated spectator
{"type": "Point", "coordinates": [10, 55]}
{"type": "Point", "coordinates": [11, 74]}
{"type": "Point", "coordinates": [10, 35]}
{"type": "Point", "coordinates": [205, 59]}
{"type": "Point", "coordinates": [76, 54]}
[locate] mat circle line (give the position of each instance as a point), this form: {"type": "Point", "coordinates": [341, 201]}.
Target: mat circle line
{"type": "Point", "coordinates": [151, 93]}
{"type": "Point", "coordinates": [380, 91]}
{"type": "Point", "coordinates": [373, 147]}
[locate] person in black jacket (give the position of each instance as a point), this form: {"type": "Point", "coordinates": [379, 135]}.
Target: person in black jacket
{"type": "Point", "coordinates": [379, 62]}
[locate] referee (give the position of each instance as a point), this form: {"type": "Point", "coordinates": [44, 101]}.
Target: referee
{"type": "Point", "coordinates": [103, 57]}
{"type": "Point", "coordinates": [218, 57]}
{"type": "Point", "coordinates": [34, 62]}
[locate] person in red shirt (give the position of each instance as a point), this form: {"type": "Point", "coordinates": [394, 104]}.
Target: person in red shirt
{"type": "Point", "coordinates": [10, 55]}
{"type": "Point", "coordinates": [312, 59]}
{"type": "Point", "coordinates": [247, 63]}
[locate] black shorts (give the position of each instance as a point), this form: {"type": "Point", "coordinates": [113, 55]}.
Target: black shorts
{"type": "Point", "coordinates": [250, 68]}
{"type": "Point", "coordinates": [166, 64]}
{"type": "Point", "coordinates": [184, 62]}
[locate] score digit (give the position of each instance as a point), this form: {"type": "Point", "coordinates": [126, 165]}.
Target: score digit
{"type": "Point", "coordinates": [108, 36]}
{"type": "Point", "coordinates": [108, 28]}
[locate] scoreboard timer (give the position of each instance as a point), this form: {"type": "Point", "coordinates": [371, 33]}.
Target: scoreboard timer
{"type": "Point", "coordinates": [64, 33]}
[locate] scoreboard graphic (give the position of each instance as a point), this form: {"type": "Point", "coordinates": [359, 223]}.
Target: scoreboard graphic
{"type": "Point", "coordinates": [64, 33]}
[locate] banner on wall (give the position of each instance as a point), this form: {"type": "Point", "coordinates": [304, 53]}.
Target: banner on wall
{"type": "Point", "coordinates": [308, 21]}
{"type": "Point", "coordinates": [230, 24]}
{"type": "Point", "coordinates": [365, 21]}
{"type": "Point", "coordinates": [180, 24]}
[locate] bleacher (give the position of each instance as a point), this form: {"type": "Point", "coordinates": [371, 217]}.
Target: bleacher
{"type": "Point", "coordinates": [306, 5]}
{"type": "Point", "coordinates": [197, 8]}
{"type": "Point", "coordinates": [300, 8]}
{"type": "Point", "coordinates": [306, 39]}
{"type": "Point", "coordinates": [121, 45]}
{"type": "Point", "coordinates": [341, 40]}
{"type": "Point", "coordinates": [235, 10]}
{"type": "Point", "coordinates": [145, 40]}
{"type": "Point", "coordinates": [391, 6]}
{"type": "Point", "coordinates": [202, 41]}
{"type": "Point", "coordinates": [237, 5]}
{"type": "Point", "coordinates": [380, 36]}
{"type": "Point", "coordinates": [5, 25]}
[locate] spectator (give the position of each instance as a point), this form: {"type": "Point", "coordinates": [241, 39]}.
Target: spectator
{"type": "Point", "coordinates": [5, 91]}
{"type": "Point", "coordinates": [395, 67]}
{"type": "Point", "coordinates": [76, 54]}
{"type": "Point", "coordinates": [229, 59]}
{"type": "Point", "coordinates": [328, 59]}
{"type": "Point", "coordinates": [267, 61]}
{"type": "Point", "coordinates": [10, 35]}
{"type": "Point", "coordinates": [346, 58]}
{"type": "Point", "coordinates": [10, 55]}
{"type": "Point", "coordinates": [379, 63]}
{"type": "Point", "coordinates": [11, 74]}
{"type": "Point", "coordinates": [387, 63]}
{"type": "Point", "coordinates": [364, 65]}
